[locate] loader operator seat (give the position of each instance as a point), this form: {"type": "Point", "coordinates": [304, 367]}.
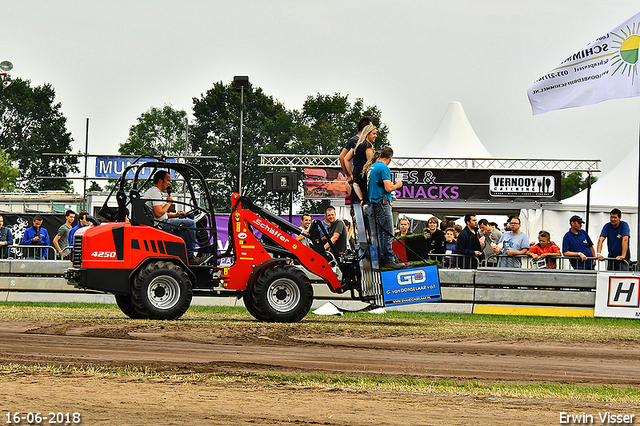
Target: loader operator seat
{"type": "Point", "coordinates": [317, 231]}
{"type": "Point", "coordinates": [141, 213]}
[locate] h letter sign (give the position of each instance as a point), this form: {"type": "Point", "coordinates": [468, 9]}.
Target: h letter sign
{"type": "Point", "coordinates": [624, 292]}
{"type": "Point", "coordinates": [617, 295]}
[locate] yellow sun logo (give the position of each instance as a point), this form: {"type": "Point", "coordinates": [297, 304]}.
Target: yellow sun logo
{"type": "Point", "coordinates": [626, 60]}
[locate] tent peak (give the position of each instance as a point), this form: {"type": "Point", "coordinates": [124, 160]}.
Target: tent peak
{"type": "Point", "coordinates": [454, 137]}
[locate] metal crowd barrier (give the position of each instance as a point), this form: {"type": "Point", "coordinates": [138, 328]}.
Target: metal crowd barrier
{"type": "Point", "coordinates": [460, 261]}
{"type": "Point", "coordinates": [456, 261]}
{"type": "Point", "coordinates": [481, 290]}
{"type": "Point", "coordinates": [563, 263]}
{"type": "Point", "coordinates": [19, 251]}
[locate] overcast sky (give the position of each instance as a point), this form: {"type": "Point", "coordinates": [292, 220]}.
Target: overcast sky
{"type": "Point", "coordinates": [110, 61]}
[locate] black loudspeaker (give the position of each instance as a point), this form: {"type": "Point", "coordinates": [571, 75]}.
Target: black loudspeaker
{"type": "Point", "coordinates": [241, 82]}
{"type": "Point", "coordinates": [282, 181]}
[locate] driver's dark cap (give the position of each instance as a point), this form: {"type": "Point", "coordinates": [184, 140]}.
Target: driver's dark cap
{"type": "Point", "coordinates": [576, 219]}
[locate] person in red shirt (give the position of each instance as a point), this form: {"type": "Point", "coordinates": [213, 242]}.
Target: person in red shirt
{"type": "Point", "coordinates": [543, 250]}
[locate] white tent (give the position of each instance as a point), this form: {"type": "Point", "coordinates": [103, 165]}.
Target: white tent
{"type": "Point", "coordinates": [454, 137]}
{"type": "Point", "coordinates": [618, 188]}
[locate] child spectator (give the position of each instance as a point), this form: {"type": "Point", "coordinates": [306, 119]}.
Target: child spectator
{"type": "Point", "coordinates": [543, 250]}
{"type": "Point", "coordinates": [450, 248]}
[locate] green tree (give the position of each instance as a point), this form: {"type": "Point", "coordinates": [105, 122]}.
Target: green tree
{"type": "Point", "coordinates": [267, 128]}
{"type": "Point", "coordinates": [159, 132]}
{"type": "Point", "coordinates": [31, 124]}
{"type": "Point", "coordinates": [8, 173]}
{"type": "Point", "coordinates": [94, 187]}
{"type": "Point", "coordinates": [325, 124]}
{"type": "Point", "coordinates": [572, 183]}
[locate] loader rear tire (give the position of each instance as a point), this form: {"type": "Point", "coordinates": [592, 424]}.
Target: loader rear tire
{"type": "Point", "coordinates": [281, 293]}
{"type": "Point", "coordinates": [162, 291]}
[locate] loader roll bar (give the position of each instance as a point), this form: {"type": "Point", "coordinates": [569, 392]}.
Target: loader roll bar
{"type": "Point", "coordinates": [188, 172]}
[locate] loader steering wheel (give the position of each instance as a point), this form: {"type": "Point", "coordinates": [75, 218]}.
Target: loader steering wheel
{"type": "Point", "coordinates": [191, 214]}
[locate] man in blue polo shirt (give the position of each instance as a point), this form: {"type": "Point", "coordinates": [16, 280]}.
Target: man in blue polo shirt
{"type": "Point", "coordinates": [82, 222]}
{"type": "Point", "coordinates": [378, 211]}
{"type": "Point", "coordinates": [576, 243]}
{"type": "Point", "coordinates": [617, 234]}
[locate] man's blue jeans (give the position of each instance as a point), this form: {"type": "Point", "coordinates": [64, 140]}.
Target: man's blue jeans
{"type": "Point", "coordinates": [381, 228]}
{"type": "Point", "coordinates": [188, 235]}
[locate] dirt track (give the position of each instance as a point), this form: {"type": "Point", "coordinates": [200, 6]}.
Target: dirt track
{"type": "Point", "coordinates": [183, 349]}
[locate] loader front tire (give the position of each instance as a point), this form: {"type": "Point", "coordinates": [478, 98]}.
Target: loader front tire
{"type": "Point", "coordinates": [281, 293]}
{"type": "Point", "coordinates": [247, 298]}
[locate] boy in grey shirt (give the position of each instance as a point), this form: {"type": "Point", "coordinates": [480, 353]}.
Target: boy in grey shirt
{"type": "Point", "coordinates": [61, 240]}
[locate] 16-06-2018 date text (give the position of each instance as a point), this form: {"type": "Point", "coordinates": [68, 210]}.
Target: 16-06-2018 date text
{"type": "Point", "coordinates": [43, 418]}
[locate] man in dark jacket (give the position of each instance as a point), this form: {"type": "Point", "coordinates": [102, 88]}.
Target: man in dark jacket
{"type": "Point", "coordinates": [470, 243]}
{"type": "Point", "coordinates": [6, 239]}
{"type": "Point", "coordinates": [435, 239]}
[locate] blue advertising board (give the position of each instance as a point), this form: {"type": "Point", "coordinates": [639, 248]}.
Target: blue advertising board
{"type": "Point", "coordinates": [415, 285]}
{"type": "Point", "coordinates": [112, 167]}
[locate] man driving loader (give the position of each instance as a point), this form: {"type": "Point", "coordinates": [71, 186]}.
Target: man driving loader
{"type": "Point", "coordinates": [171, 220]}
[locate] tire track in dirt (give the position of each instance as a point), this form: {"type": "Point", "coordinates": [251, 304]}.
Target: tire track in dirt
{"type": "Point", "coordinates": [487, 361]}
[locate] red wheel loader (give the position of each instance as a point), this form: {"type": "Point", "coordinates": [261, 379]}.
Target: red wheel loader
{"type": "Point", "coordinates": [147, 268]}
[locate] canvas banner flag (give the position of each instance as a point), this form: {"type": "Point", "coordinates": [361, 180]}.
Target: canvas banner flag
{"type": "Point", "coordinates": [606, 68]}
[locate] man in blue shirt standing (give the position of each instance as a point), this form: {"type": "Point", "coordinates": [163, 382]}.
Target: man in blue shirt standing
{"type": "Point", "coordinates": [36, 235]}
{"type": "Point", "coordinates": [577, 243]}
{"type": "Point", "coordinates": [380, 190]}
{"type": "Point", "coordinates": [82, 222]}
{"type": "Point", "coordinates": [617, 234]}
{"type": "Point", "coordinates": [514, 243]}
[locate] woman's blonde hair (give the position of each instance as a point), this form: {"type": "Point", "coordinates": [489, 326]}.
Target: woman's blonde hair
{"type": "Point", "coordinates": [369, 163]}
{"type": "Point", "coordinates": [365, 132]}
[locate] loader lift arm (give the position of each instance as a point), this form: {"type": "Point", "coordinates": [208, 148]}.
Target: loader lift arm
{"type": "Point", "coordinates": [345, 261]}
{"type": "Point", "coordinates": [244, 212]}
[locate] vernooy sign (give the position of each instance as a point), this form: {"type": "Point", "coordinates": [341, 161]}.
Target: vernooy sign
{"type": "Point", "coordinates": [522, 186]}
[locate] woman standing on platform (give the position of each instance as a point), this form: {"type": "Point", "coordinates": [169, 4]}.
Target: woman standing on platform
{"type": "Point", "coordinates": [360, 154]}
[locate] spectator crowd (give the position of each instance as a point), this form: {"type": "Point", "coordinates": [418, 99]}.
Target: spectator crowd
{"type": "Point", "coordinates": [475, 244]}
{"type": "Point", "coordinates": [37, 244]}
{"type": "Point", "coordinates": [483, 243]}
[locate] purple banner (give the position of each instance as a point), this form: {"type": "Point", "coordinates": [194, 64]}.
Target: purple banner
{"type": "Point", "coordinates": [222, 225]}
